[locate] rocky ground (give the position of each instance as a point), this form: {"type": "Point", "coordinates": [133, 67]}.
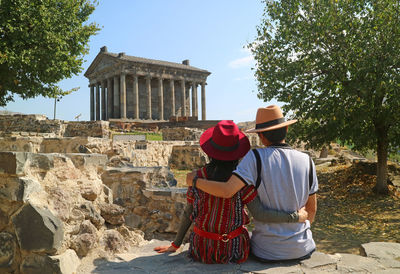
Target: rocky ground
{"type": "Point", "coordinates": [377, 258]}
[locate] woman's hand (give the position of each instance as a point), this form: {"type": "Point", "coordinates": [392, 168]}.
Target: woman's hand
{"type": "Point", "coordinates": [189, 178]}
{"type": "Point", "coordinates": [303, 215]}
{"type": "Point", "coordinates": [165, 248]}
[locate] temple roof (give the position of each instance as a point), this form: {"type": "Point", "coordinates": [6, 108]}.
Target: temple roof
{"type": "Point", "coordinates": [123, 57]}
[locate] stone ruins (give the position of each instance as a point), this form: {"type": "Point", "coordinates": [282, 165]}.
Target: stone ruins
{"type": "Point", "coordinates": [123, 86]}
{"type": "Point", "coordinates": [71, 191]}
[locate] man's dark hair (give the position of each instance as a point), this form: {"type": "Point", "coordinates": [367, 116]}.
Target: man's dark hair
{"type": "Point", "coordinates": [276, 135]}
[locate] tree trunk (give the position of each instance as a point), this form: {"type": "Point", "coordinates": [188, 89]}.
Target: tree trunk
{"type": "Point", "coordinates": [381, 186]}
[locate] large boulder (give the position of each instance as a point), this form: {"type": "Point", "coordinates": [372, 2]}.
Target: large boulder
{"type": "Point", "coordinates": [67, 263]}
{"type": "Point", "coordinates": [91, 214]}
{"type": "Point", "coordinates": [112, 213]}
{"type": "Point", "coordinates": [83, 243]}
{"type": "Point", "coordinates": [38, 229]}
{"type": "Point", "coordinates": [113, 241]}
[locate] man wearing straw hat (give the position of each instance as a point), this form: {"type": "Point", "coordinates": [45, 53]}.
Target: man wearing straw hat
{"type": "Point", "coordinates": [285, 180]}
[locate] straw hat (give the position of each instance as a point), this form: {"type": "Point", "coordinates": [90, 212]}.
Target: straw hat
{"type": "Point", "coordinates": [225, 142]}
{"type": "Point", "coordinates": [270, 118]}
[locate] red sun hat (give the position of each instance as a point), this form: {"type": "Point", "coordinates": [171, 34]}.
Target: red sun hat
{"type": "Point", "coordinates": [225, 142]}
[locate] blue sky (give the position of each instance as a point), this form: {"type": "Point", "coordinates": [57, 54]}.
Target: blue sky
{"type": "Point", "coordinates": [211, 34]}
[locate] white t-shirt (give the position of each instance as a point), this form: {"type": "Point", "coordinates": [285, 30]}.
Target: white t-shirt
{"type": "Point", "coordinates": [284, 186]}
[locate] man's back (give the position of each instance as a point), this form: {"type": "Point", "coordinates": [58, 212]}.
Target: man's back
{"type": "Point", "coordinates": [284, 186]}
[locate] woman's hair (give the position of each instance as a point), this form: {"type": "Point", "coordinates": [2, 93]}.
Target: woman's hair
{"type": "Point", "coordinates": [219, 170]}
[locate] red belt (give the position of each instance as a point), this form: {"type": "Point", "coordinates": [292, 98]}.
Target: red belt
{"type": "Point", "coordinates": [217, 237]}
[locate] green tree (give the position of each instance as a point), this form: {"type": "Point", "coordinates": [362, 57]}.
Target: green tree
{"type": "Point", "coordinates": [335, 65]}
{"type": "Point", "coordinates": [41, 43]}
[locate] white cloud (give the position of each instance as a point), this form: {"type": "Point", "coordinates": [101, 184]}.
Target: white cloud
{"type": "Point", "coordinates": [241, 62]}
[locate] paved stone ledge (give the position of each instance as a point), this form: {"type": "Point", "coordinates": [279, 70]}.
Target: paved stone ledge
{"type": "Point", "coordinates": [144, 260]}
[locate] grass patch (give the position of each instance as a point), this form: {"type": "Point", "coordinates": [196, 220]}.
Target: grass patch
{"type": "Point", "coordinates": [150, 136]}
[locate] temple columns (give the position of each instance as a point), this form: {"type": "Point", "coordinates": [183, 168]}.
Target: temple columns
{"type": "Point", "coordinates": [203, 101]}
{"type": "Point", "coordinates": [183, 88]}
{"type": "Point", "coordinates": [103, 100]}
{"type": "Point", "coordinates": [109, 99]}
{"type": "Point", "coordinates": [148, 90]}
{"type": "Point", "coordinates": [194, 100]}
{"type": "Point", "coordinates": [97, 101]}
{"type": "Point", "coordinates": [92, 116]}
{"type": "Point", "coordinates": [172, 86]}
{"type": "Point", "coordinates": [116, 98]}
{"type": "Point", "coordinates": [135, 97]}
{"type": "Point", "coordinates": [161, 99]}
{"type": "Point", "coordinates": [123, 96]}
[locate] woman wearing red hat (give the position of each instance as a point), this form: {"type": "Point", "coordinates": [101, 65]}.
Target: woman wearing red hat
{"type": "Point", "coordinates": [219, 235]}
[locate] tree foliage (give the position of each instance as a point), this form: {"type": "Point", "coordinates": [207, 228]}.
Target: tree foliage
{"type": "Point", "coordinates": [335, 64]}
{"type": "Point", "coordinates": [41, 43]}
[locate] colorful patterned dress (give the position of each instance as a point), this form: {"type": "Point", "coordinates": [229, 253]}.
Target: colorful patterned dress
{"type": "Point", "coordinates": [219, 215]}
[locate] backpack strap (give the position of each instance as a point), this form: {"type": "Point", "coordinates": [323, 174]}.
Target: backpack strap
{"type": "Point", "coordinates": [258, 160]}
{"type": "Point", "coordinates": [310, 174]}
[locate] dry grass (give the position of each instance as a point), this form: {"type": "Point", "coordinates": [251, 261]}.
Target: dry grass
{"type": "Point", "coordinates": [350, 214]}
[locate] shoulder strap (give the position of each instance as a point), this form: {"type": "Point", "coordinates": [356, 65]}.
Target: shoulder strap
{"type": "Point", "coordinates": [311, 174]}
{"type": "Point", "coordinates": [258, 160]}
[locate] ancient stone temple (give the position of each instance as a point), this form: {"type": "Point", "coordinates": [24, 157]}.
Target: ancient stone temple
{"type": "Point", "coordinates": [128, 87]}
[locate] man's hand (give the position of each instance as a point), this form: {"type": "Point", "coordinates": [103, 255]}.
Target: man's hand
{"type": "Point", "coordinates": [303, 215]}
{"type": "Point", "coordinates": [189, 178]}
{"type": "Point", "coordinates": [165, 248]}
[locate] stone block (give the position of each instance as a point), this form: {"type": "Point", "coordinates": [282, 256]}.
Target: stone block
{"type": "Point", "coordinates": [113, 241]}
{"type": "Point", "coordinates": [354, 263]}
{"type": "Point", "coordinates": [87, 227]}
{"type": "Point", "coordinates": [7, 249]}
{"type": "Point", "coordinates": [91, 214]}
{"type": "Point", "coordinates": [18, 189]}
{"type": "Point", "coordinates": [38, 229]}
{"type": "Point", "coordinates": [388, 254]}
{"type": "Point", "coordinates": [13, 163]}
{"type": "Point", "coordinates": [84, 160]}
{"type": "Point", "coordinates": [83, 243]}
{"type": "Point", "coordinates": [67, 263]}
{"type": "Point", "coordinates": [112, 213]}
{"type": "Point", "coordinates": [38, 264]}
{"type": "Point", "coordinates": [320, 260]}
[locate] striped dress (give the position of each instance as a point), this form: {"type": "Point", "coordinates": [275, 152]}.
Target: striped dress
{"type": "Point", "coordinates": [219, 215]}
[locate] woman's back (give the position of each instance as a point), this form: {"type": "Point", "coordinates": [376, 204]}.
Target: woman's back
{"type": "Point", "coordinates": [220, 216]}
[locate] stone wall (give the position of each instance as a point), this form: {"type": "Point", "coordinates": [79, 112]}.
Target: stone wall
{"type": "Point", "coordinates": [38, 125]}
{"type": "Point", "coordinates": [56, 145]}
{"type": "Point", "coordinates": [188, 156]}
{"type": "Point", "coordinates": [175, 154]}
{"type": "Point", "coordinates": [30, 123]}
{"type": "Point", "coordinates": [181, 134]}
{"type": "Point", "coordinates": [87, 128]}
{"type": "Point", "coordinates": [149, 207]}
{"type": "Point", "coordinates": [54, 209]}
